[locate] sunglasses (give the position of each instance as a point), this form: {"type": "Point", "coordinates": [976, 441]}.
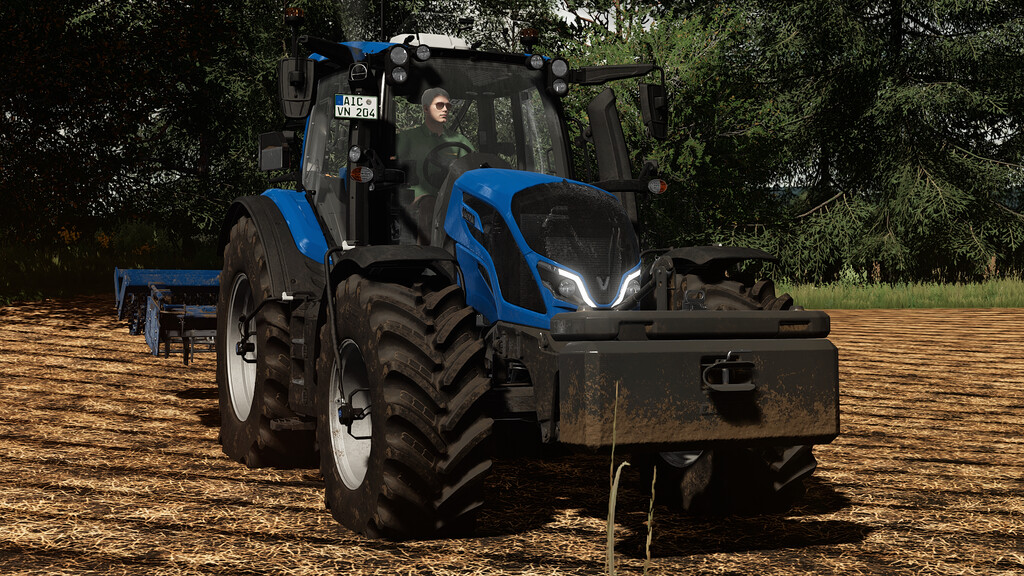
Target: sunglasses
{"type": "Point", "coordinates": [443, 105]}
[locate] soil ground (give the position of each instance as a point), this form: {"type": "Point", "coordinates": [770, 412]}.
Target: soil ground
{"type": "Point", "coordinates": [109, 464]}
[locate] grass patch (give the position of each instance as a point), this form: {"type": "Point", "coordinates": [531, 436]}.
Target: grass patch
{"type": "Point", "coordinates": [1001, 293]}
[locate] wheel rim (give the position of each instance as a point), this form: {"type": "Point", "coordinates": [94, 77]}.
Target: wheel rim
{"type": "Point", "coordinates": [241, 375]}
{"type": "Point", "coordinates": [683, 459]}
{"type": "Point", "coordinates": [351, 451]}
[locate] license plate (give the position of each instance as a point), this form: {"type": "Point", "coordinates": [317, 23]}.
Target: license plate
{"type": "Point", "coordinates": [354, 106]}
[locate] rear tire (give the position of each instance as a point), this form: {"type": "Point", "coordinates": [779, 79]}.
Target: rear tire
{"type": "Point", "coordinates": [413, 359]}
{"type": "Point", "coordinates": [732, 480]}
{"type": "Point", "coordinates": [252, 394]}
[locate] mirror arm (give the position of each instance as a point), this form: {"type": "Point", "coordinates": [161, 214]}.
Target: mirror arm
{"type": "Point", "coordinates": [289, 177]}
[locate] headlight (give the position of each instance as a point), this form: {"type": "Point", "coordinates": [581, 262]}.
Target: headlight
{"type": "Point", "coordinates": [629, 288]}
{"type": "Point", "coordinates": [395, 65]}
{"type": "Point", "coordinates": [355, 154]}
{"type": "Point", "coordinates": [581, 289]}
{"type": "Point", "coordinates": [564, 285]}
{"type": "Point", "coordinates": [557, 80]}
{"type": "Point", "coordinates": [399, 56]}
{"type": "Point", "coordinates": [559, 67]}
{"type": "Point", "coordinates": [567, 288]}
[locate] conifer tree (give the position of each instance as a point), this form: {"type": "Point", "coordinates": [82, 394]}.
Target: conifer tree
{"type": "Point", "coordinates": [878, 137]}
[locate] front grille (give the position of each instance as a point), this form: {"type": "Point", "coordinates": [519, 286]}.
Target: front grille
{"type": "Point", "coordinates": [581, 228]}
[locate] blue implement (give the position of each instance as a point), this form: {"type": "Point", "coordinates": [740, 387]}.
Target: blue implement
{"type": "Point", "coordinates": [175, 309]}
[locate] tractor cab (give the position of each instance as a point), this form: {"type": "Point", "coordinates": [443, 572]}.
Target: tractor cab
{"type": "Point", "coordinates": [371, 137]}
{"type": "Point", "coordinates": [380, 161]}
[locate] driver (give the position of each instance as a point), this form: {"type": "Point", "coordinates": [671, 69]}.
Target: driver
{"type": "Point", "coordinates": [413, 145]}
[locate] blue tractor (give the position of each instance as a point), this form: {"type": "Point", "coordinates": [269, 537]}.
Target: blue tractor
{"type": "Point", "coordinates": [418, 297]}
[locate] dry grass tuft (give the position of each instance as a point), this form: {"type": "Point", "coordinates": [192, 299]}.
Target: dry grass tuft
{"type": "Point", "coordinates": [109, 464]}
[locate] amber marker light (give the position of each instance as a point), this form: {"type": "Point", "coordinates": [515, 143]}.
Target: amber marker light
{"type": "Point", "coordinates": [657, 186]}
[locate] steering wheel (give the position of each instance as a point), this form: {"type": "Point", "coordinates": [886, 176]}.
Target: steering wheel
{"type": "Point", "coordinates": [435, 167]}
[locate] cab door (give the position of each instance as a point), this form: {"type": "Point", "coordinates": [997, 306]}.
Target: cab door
{"type": "Point", "coordinates": [325, 159]}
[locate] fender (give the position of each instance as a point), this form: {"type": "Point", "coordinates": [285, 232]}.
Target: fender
{"type": "Point", "coordinates": [295, 247]}
{"type": "Point", "coordinates": [393, 262]}
{"type": "Point", "coordinates": [712, 257]}
{"type": "Point", "coordinates": [290, 234]}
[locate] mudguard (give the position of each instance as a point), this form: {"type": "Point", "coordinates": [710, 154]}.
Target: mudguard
{"type": "Point", "coordinates": [291, 235]}
{"type": "Point", "coordinates": [712, 257]}
{"type": "Point", "coordinates": [399, 261]}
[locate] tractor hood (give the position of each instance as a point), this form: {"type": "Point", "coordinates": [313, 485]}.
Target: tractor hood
{"type": "Point", "coordinates": [531, 245]}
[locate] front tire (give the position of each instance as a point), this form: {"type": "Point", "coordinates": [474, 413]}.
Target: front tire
{"type": "Point", "coordinates": [733, 480]}
{"type": "Point", "coordinates": [253, 388]}
{"type": "Point", "coordinates": [404, 442]}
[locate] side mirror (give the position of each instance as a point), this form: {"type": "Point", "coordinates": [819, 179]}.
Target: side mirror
{"type": "Point", "coordinates": [654, 109]}
{"type": "Point", "coordinates": [295, 86]}
{"type": "Point", "coordinates": [275, 150]}
{"type": "Point", "coordinates": [610, 147]}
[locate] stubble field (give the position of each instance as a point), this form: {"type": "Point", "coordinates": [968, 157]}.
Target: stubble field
{"type": "Point", "coordinates": [109, 464]}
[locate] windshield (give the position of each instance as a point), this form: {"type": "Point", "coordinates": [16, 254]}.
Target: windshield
{"type": "Point", "coordinates": [496, 108]}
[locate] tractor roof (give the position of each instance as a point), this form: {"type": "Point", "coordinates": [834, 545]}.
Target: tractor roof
{"type": "Point", "coordinates": [359, 51]}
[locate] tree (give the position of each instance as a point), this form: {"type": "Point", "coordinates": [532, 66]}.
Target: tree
{"type": "Point", "coordinates": [879, 136]}
{"type": "Point", "coordinates": [909, 147]}
{"type": "Point", "coordinates": [883, 137]}
{"type": "Point", "coordinates": [151, 110]}
{"type": "Point", "coordinates": [718, 152]}
{"type": "Point", "coordinates": [141, 110]}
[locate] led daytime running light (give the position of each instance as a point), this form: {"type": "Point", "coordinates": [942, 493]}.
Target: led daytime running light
{"type": "Point", "coordinates": [625, 286]}
{"type": "Point", "coordinates": [579, 285]}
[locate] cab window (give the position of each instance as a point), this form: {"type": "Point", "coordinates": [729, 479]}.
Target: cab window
{"type": "Point", "coordinates": [327, 140]}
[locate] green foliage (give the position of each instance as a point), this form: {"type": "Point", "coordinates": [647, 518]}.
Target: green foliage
{"type": "Point", "coordinates": [717, 151]}
{"type": "Point", "coordinates": [85, 264]}
{"type": "Point", "coordinates": [135, 110]}
{"type": "Point", "coordinates": [496, 24]}
{"type": "Point", "coordinates": [908, 141]}
{"type": "Point", "coordinates": [882, 138]}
